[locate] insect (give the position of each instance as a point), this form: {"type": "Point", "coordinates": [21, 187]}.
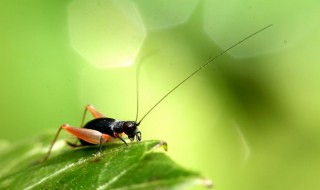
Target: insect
{"type": "Point", "coordinates": [102, 129]}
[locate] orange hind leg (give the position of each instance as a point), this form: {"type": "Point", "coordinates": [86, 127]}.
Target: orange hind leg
{"type": "Point", "coordinates": [89, 135]}
{"type": "Point", "coordinates": [94, 113]}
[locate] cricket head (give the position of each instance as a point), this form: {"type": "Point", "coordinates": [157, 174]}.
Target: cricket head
{"type": "Point", "coordinates": [130, 128]}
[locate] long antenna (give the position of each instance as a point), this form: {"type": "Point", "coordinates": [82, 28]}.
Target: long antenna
{"type": "Point", "coordinates": [137, 85]}
{"type": "Point", "coordinates": [137, 92]}
{"type": "Point", "coordinates": [200, 68]}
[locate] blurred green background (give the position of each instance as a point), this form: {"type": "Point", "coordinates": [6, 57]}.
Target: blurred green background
{"type": "Point", "coordinates": [248, 121]}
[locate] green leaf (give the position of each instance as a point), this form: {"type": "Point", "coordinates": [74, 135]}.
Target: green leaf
{"type": "Point", "coordinates": [138, 166]}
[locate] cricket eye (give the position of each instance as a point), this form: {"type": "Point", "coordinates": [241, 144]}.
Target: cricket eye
{"type": "Point", "coordinates": [129, 127]}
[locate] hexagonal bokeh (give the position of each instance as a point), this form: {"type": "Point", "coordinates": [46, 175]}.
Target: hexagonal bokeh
{"type": "Point", "coordinates": [105, 33]}
{"type": "Point", "coordinates": [165, 13]}
{"type": "Point", "coordinates": [245, 17]}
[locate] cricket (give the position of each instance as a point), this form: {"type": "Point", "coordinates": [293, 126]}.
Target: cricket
{"type": "Point", "coordinates": [101, 129]}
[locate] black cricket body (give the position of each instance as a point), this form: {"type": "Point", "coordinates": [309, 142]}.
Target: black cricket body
{"type": "Point", "coordinates": [111, 127]}
{"type": "Point", "coordinates": [102, 129]}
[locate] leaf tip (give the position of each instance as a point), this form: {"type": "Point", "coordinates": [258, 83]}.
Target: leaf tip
{"type": "Point", "coordinates": [205, 182]}
{"type": "Point", "coordinates": [208, 183]}
{"type": "Point", "coordinates": [161, 144]}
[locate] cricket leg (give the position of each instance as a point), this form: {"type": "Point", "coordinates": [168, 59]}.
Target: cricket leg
{"type": "Point", "coordinates": [117, 135]}
{"type": "Point", "coordinates": [52, 143]}
{"type": "Point", "coordinates": [88, 135]}
{"type": "Point", "coordinates": [93, 111]}
{"type": "Point", "coordinates": [74, 145]}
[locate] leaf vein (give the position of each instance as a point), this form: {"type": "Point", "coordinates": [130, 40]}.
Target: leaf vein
{"type": "Point", "coordinates": [69, 166]}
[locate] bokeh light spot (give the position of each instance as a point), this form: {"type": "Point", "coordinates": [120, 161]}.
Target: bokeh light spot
{"type": "Point", "coordinates": [245, 17]}
{"type": "Point", "coordinates": [166, 13]}
{"type": "Point", "coordinates": [106, 33]}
